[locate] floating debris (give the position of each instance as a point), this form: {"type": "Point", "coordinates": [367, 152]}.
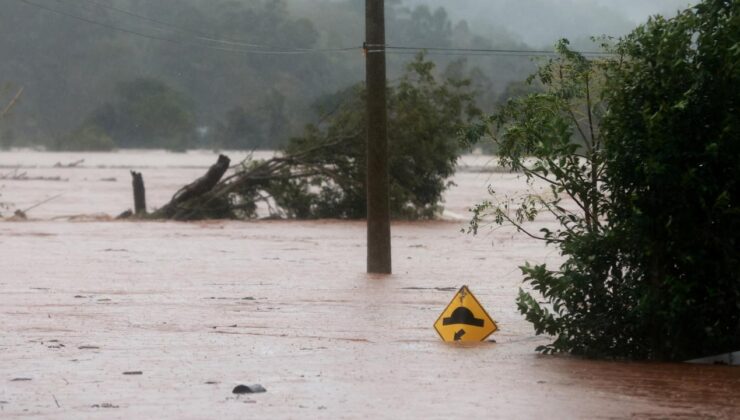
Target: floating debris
{"type": "Point", "coordinates": [249, 389]}
{"type": "Point", "coordinates": [104, 405]}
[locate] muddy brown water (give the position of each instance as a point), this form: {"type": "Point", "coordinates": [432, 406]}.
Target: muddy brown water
{"type": "Point", "coordinates": [198, 308]}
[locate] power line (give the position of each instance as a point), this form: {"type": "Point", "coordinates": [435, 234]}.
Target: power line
{"type": "Point", "coordinates": [252, 48]}
{"type": "Point", "coordinates": [203, 36]}
{"type": "Point", "coordinates": [83, 19]}
{"type": "Point", "coordinates": [393, 49]}
{"type": "Point", "coordinates": [199, 35]}
{"type": "Point", "coordinates": [176, 41]}
{"type": "Point", "coordinates": [465, 53]}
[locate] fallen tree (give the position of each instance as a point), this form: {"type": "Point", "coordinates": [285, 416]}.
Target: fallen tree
{"type": "Point", "coordinates": [322, 174]}
{"type": "Point", "coordinates": [213, 196]}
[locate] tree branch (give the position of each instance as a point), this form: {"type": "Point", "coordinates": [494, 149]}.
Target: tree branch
{"type": "Point", "coordinates": [12, 103]}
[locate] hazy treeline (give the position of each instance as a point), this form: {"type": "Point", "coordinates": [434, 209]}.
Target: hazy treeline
{"type": "Point", "coordinates": [540, 23]}
{"type": "Point", "coordinates": [200, 84]}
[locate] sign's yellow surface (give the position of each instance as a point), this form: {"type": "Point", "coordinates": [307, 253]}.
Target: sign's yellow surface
{"type": "Point", "coordinates": [464, 319]}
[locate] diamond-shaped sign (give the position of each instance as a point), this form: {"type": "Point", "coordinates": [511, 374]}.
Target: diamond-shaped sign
{"type": "Point", "coordinates": [464, 319]}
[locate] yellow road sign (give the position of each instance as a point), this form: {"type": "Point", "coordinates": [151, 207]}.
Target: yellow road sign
{"type": "Point", "coordinates": [464, 319]}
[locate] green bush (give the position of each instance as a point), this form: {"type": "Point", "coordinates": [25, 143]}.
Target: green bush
{"type": "Point", "coordinates": [146, 113]}
{"type": "Point", "coordinates": [674, 176]}
{"type": "Point", "coordinates": [238, 131]}
{"type": "Point", "coordinates": [646, 145]}
{"type": "Point", "coordinates": [552, 137]}
{"type": "Point", "coordinates": [424, 118]}
{"type": "Point", "coordinates": [86, 138]}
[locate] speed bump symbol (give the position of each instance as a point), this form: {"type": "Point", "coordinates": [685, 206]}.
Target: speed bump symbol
{"type": "Point", "coordinates": [464, 319]}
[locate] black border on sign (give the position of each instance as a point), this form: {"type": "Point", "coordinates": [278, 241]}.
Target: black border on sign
{"type": "Point", "coordinates": [476, 301]}
{"type": "Point", "coordinates": [443, 312]}
{"type": "Point", "coordinates": [485, 312]}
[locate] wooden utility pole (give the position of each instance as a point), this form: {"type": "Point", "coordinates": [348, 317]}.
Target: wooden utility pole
{"type": "Point", "coordinates": [378, 207]}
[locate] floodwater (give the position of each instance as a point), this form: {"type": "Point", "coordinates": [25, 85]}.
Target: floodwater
{"type": "Point", "coordinates": [193, 309]}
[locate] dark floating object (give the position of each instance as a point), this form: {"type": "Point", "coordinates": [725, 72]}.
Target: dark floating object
{"type": "Point", "coordinates": [133, 372]}
{"type": "Point", "coordinates": [125, 215]}
{"type": "Point", "coordinates": [249, 389]}
{"type": "Point", "coordinates": [104, 405]}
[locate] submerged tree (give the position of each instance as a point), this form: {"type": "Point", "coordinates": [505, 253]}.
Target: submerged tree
{"type": "Point", "coordinates": [322, 174]}
{"type": "Point", "coordinates": [424, 117]}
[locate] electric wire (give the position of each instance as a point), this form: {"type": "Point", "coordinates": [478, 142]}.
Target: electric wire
{"type": "Point", "coordinates": [494, 53]}
{"type": "Point", "coordinates": [203, 36]}
{"type": "Point", "coordinates": [177, 41]}
{"type": "Point", "coordinates": [463, 53]}
{"type": "Point", "coordinates": [253, 48]}
{"type": "Point", "coordinates": [93, 22]}
{"type": "Point", "coordinates": [481, 51]}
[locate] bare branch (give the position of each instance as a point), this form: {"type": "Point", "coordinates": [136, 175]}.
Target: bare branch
{"type": "Point", "coordinates": [12, 103]}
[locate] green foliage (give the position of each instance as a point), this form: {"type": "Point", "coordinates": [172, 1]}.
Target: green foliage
{"type": "Point", "coordinates": [152, 114]}
{"type": "Point", "coordinates": [424, 117]}
{"type": "Point", "coordinates": [518, 88]}
{"type": "Point", "coordinates": [75, 66]}
{"type": "Point", "coordinates": [552, 136]}
{"type": "Point", "coordinates": [146, 114]}
{"type": "Point", "coordinates": [237, 131]}
{"type": "Point", "coordinates": [651, 257]}
{"type": "Point", "coordinates": [674, 177]}
{"type": "Point", "coordinates": [87, 137]}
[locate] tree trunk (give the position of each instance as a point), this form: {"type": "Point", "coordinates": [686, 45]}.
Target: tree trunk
{"type": "Point", "coordinates": [139, 193]}
{"type": "Point", "coordinates": [177, 208]}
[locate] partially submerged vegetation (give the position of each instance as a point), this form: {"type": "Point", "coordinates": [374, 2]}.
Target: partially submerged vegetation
{"type": "Point", "coordinates": [646, 146]}
{"type": "Point", "coordinates": [639, 151]}
{"type": "Point", "coordinates": [322, 173]}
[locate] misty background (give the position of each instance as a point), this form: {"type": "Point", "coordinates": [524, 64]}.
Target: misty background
{"type": "Point", "coordinates": [100, 74]}
{"type": "Point", "coordinates": [542, 22]}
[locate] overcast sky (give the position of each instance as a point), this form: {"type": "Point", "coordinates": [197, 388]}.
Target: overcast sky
{"type": "Point", "coordinates": [542, 22]}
